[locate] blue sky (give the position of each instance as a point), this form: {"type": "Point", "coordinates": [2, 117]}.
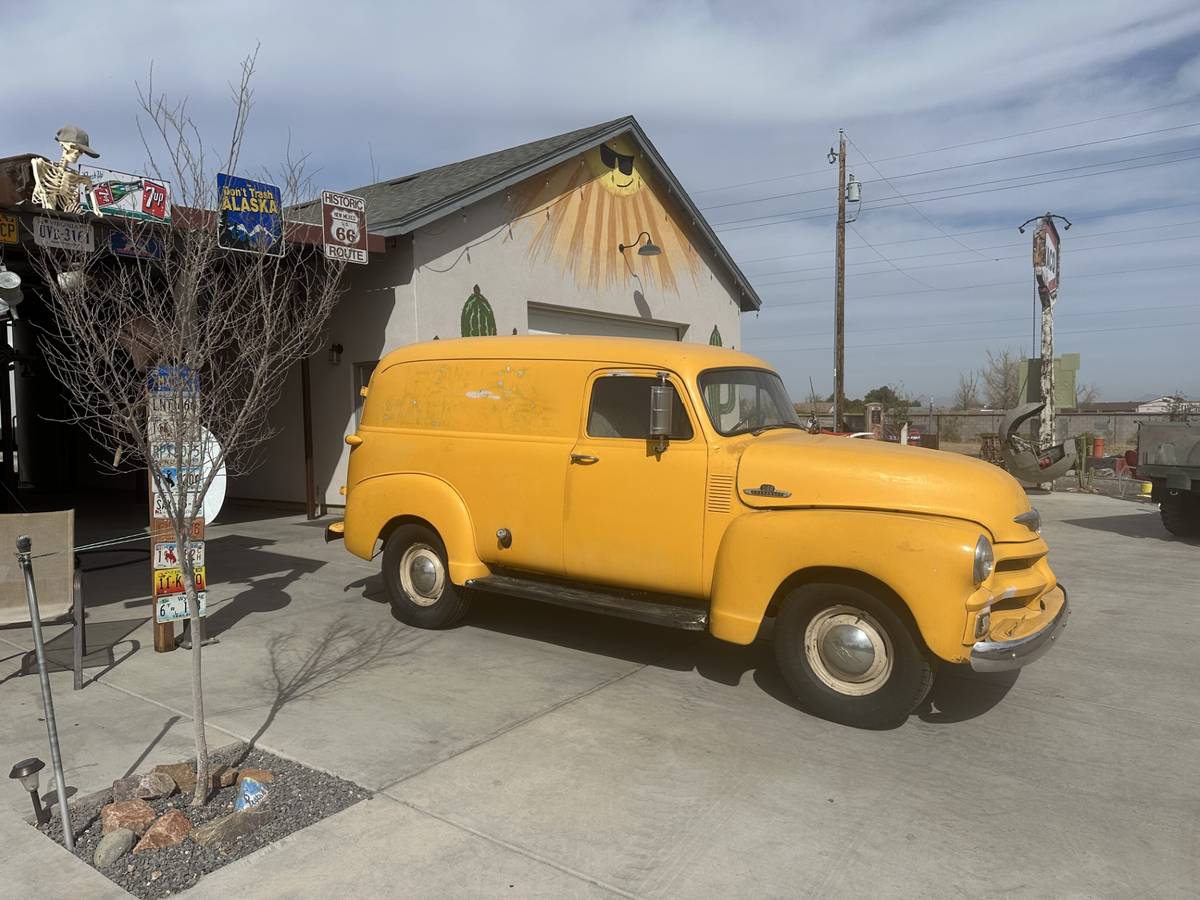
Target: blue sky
{"type": "Point", "coordinates": [738, 92]}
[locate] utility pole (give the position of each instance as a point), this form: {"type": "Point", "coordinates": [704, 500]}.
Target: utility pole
{"type": "Point", "coordinates": [839, 289]}
{"type": "Point", "coordinates": [1047, 261]}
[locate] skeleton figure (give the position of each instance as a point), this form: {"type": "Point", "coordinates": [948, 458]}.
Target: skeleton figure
{"type": "Point", "coordinates": [55, 186]}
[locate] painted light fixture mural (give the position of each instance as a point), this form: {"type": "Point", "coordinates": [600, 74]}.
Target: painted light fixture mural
{"type": "Point", "coordinates": [478, 320]}
{"type": "Point", "coordinates": [591, 205]}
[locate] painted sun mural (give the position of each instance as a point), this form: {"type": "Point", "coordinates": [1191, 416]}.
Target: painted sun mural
{"type": "Point", "coordinates": [593, 203]}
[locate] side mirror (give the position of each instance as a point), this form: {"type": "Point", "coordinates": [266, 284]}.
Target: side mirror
{"type": "Point", "coordinates": [662, 402]}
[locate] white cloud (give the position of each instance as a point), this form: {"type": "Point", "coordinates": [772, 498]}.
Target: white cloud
{"type": "Point", "coordinates": [729, 91]}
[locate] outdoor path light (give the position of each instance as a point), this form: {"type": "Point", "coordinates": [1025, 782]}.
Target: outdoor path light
{"type": "Point", "coordinates": [27, 771]}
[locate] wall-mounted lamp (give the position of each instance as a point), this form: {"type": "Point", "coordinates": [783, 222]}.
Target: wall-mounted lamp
{"type": "Point", "coordinates": [26, 771]}
{"type": "Point", "coordinates": [647, 249]}
{"type": "Point", "coordinates": [335, 354]}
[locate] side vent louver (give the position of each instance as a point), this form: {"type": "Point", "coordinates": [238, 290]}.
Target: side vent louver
{"type": "Point", "coordinates": [720, 493]}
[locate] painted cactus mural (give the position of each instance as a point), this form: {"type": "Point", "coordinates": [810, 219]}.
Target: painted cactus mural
{"type": "Point", "coordinates": [478, 320]}
{"type": "Point", "coordinates": [714, 339]}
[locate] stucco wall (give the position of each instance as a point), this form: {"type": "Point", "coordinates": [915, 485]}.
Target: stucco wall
{"type": "Point", "coordinates": [552, 240]}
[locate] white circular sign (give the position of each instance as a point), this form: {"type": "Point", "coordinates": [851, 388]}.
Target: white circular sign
{"type": "Point", "coordinates": [214, 498]}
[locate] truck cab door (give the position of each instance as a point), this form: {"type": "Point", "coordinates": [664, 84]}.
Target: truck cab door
{"type": "Point", "coordinates": [634, 516]}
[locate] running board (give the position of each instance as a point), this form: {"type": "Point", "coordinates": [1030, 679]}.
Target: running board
{"type": "Point", "coordinates": [626, 605]}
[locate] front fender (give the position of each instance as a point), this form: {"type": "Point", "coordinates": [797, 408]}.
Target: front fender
{"type": "Point", "coordinates": [373, 502]}
{"type": "Point", "coordinates": [925, 560]}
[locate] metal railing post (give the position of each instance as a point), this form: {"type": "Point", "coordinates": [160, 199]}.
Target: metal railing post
{"type": "Point", "coordinates": [24, 547]}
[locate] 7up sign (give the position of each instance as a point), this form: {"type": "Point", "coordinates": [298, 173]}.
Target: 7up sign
{"type": "Point", "coordinates": [344, 227]}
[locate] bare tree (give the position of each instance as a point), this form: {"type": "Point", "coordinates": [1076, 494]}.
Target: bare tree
{"type": "Point", "coordinates": [217, 330]}
{"type": "Point", "coordinates": [1086, 394]}
{"type": "Point", "coordinates": [966, 395]}
{"type": "Point", "coordinates": [1002, 379]}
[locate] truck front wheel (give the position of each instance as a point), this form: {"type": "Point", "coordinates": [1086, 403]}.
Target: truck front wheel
{"type": "Point", "coordinates": [849, 657]}
{"type": "Point", "coordinates": [418, 579]}
{"type": "Point", "coordinates": [1180, 513]}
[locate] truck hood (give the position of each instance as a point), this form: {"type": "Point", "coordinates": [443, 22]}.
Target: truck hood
{"type": "Point", "coordinates": [823, 471]}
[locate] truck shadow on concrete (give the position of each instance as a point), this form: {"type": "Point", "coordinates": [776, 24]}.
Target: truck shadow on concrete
{"type": "Point", "coordinates": [958, 694]}
{"type": "Point", "coordinates": [1143, 524]}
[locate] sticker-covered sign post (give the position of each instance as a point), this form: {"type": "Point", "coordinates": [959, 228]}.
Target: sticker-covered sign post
{"type": "Point", "coordinates": [177, 446]}
{"type": "Point", "coordinates": [344, 227]}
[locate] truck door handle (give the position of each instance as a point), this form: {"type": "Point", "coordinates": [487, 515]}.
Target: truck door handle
{"type": "Point", "coordinates": [584, 459]}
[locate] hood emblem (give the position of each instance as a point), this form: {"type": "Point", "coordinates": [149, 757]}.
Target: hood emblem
{"type": "Point", "coordinates": [1031, 519]}
{"type": "Point", "coordinates": [766, 490]}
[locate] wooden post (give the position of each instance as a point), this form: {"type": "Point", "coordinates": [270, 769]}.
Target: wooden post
{"type": "Point", "coordinates": [164, 632]}
{"type": "Point", "coordinates": [310, 492]}
{"type": "Point", "coordinates": [839, 301]}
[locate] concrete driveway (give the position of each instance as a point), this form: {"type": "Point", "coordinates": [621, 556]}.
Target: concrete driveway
{"type": "Point", "coordinates": [536, 751]}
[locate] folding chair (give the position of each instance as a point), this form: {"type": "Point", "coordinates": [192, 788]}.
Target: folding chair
{"type": "Point", "coordinates": [56, 575]}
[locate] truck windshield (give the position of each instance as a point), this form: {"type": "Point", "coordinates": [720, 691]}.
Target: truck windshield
{"type": "Point", "coordinates": [741, 400]}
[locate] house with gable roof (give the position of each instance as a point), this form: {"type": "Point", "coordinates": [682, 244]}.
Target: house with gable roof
{"type": "Point", "coordinates": [586, 232]}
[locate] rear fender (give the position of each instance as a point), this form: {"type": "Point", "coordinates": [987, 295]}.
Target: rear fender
{"type": "Point", "coordinates": [924, 560]}
{"type": "Point", "coordinates": [374, 503]}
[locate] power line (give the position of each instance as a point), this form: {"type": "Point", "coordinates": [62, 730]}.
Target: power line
{"type": "Point", "coordinates": [1074, 237]}
{"type": "Point", "coordinates": [969, 287]}
{"type": "Point", "coordinates": [912, 278]}
{"type": "Point", "coordinates": [916, 240]}
{"type": "Point", "coordinates": [971, 184]}
{"type": "Point", "coordinates": [907, 202]}
{"type": "Point", "coordinates": [966, 262]}
{"type": "Point", "coordinates": [925, 325]}
{"type": "Point", "coordinates": [982, 162]}
{"type": "Point", "coordinates": [992, 140]}
{"type": "Point", "coordinates": [901, 346]}
{"type": "Point", "coordinates": [822, 212]}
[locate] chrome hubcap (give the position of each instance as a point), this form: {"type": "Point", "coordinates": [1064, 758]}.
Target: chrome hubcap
{"type": "Point", "coordinates": [422, 575]}
{"type": "Point", "coordinates": [848, 650]}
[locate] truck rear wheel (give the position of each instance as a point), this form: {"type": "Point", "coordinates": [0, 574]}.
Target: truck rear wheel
{"type": "Point", "coordinates": [417, 578]}
{"type": "Point", "coordinates": [849, 657]}
{"type": "Point", "coordinates": [1180, 513]}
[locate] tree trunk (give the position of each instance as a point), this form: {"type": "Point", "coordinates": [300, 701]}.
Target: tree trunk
{"type": "Point", "coordinates": [189, 585]}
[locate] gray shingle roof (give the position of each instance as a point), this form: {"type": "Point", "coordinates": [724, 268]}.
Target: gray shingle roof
{"type": "Point", "coordinates": [401, 205]}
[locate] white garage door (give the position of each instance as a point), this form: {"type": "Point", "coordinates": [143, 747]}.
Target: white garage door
{"type": "Point", "coordinates": [560, 320]}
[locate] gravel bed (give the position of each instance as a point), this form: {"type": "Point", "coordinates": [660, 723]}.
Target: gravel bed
{"type": "Point", "coordinates": [299, 796]}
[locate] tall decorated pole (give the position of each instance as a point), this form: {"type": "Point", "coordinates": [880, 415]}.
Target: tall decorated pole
{"type": "Point", "coordinates": [1046, 267]}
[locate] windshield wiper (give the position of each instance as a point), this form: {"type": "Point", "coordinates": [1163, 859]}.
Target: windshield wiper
{"type": "Point", "coordinates": [757, 431]}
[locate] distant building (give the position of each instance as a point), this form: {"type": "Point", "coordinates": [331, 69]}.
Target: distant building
{"type": "Point", "coordinates": [1169, 403]}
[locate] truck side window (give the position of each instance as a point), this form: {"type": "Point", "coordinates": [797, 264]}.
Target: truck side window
{"type": "Point", "coordinates": [621, 409]}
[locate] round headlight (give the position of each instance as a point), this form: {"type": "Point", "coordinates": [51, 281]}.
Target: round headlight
{"type": "Point", "coordinates": [985, 560]}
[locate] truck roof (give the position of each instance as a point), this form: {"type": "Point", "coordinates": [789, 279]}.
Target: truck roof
{"type": "Point", "coordinates": [686, 359]}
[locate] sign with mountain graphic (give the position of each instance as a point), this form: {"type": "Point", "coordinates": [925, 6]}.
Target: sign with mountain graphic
{"type": "Point", "coordinates": [478, 319]}
{"type": "Point", "coordinates": [250, 216]}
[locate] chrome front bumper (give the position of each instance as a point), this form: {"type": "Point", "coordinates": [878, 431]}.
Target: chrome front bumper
{"type": "Point", "coordinates": [998, 656]}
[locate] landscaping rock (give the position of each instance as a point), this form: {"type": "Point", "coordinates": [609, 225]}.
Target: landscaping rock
{"type": "Point", "coordinates": [250, 794]}
{"type": "Point", "coordinates": [112, 847]}
{"type": "Point", "coordinates": [170, 829]}
{"type": "Point", "coordinates": [221, 833]}
{"type": "Point", "coordinates": [150, 786]}
{"type": "Point", "coordinates": [183, 773]}
{"type": "Point", "coordinates": [133, 815]}
{"type": "Point", "coordinates": [259, 775]}
{"type": "Point", "coordinates": [224, 776]}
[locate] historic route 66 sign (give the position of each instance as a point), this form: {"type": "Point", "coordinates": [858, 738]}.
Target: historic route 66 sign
{"type": "Point", "coordinates": [344, 227]}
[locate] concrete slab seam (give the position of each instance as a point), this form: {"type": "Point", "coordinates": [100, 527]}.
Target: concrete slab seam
{"type": "Point", "coordinates": [532, 717]}
{"type": "Point", "coordinates": [523, 851]}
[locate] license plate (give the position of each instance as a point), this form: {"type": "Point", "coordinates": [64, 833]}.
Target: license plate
{"type": "Point", "coordinates": [165, 556]}
{"type": "Point", "coordinates": [174, 607]}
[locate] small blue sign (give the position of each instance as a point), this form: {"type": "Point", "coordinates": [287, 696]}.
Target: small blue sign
{"type": "Point", "coordinates": [250, 215]}
{"type": "Point", "coordinates": [140, 246]}
{"type": "Point", "coordinates": [169, 379]}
